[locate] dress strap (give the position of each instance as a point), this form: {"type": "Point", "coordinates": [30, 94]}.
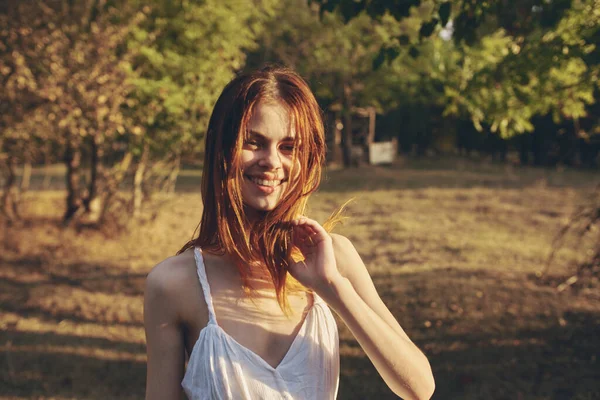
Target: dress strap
{"type": "Point", "coordinates": [317, 299]}
{"type": "Point", "coordinates": [201, 269]}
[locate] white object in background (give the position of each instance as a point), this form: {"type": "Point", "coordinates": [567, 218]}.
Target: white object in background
{"type": "Point", "coordinates": [382, 152]}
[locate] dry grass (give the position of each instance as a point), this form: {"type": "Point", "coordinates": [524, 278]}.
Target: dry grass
{"type": "Point", "coordinates": [453, 247]}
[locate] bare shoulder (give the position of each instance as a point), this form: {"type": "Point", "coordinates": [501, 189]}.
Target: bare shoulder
{"type": "Point", "coordinates": [172, 282]}
{"type": "Point", "coordinates": [172, 273]}
{"type": "Point", "coordinates": [340, 242]}
{"type": "Point", "coordinates": [347, 258]}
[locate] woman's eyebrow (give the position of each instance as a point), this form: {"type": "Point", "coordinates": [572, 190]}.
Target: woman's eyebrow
{"type": "Point", "coordinates": [256, 133]}
{"type": "Point", "coordinates": [253, 132]}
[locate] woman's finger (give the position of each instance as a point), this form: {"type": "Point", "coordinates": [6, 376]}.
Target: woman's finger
{"type": "Point", "coordinates": [312, 226]}
{"type": "Point", "coordinates": [301, 232]}
{"type": "Point", "coordinates": [306, 234]}
{"type": "Point", "coordinates": [302, 238]}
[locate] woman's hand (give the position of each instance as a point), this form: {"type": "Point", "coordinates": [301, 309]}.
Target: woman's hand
{"type": "Point", "coordinates": [318, 271]}
{"type": "Point", "coordinates": [353, 296]}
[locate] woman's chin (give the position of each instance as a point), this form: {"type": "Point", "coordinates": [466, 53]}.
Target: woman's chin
{"type": "Point", "coordinates": [258, 208]}
{"type": "Point", "coordinates": [262, 204]}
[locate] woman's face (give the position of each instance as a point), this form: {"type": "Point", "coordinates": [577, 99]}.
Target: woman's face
{"type": "Point", "coordinates": [267, 156]}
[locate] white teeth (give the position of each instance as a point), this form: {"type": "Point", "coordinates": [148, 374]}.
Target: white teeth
{"type": "Point", "coordinates": [264, 182]}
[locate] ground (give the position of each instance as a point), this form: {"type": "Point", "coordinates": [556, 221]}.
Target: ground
{"type": "Point", "coordinates": [455, 249]}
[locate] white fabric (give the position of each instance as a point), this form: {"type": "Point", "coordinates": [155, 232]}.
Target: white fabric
{"type": "Point", "coordinates": [221, 368]}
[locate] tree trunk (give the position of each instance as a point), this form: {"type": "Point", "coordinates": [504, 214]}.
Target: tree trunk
{"type": "Point", "coordinates": [95, 172]}
{"type": "Point", "coordinates": [111, 182]}
{"type": "Point", "coordinates": [171, 182]}
{"type": "Point", "coordinates": [93, 201]}
{"type": "Point", "coordinates": [138, 180]}
{"type": "Point", "coordinates": [73, 163]}
{"type": "Point", "coordinates": [26, 179]}
{"type": "Point", "coordinates": [347, 130]}
{"type": "Point", "coordinates": [47, 176]}
{"type": "Point", "coordinates": [9, 200]}
{"type": "Point", "coordinates": [372, 119]}
{"type": "Point", "coordinates": [337, 140]}
{"type": "Point", "coordinates": [524, 147]}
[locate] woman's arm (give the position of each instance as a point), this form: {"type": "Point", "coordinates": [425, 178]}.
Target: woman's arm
{"type": "Point", "coordinates": [164, 339]}
{"type": "Point", "coordinates": [352, 295]}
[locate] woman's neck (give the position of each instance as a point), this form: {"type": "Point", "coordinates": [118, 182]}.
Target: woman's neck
{"type": "Point", "coordinates": [253, 216]}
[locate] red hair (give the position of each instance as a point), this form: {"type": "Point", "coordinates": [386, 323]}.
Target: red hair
{"type": "Point", "coordinates": [224, 227]}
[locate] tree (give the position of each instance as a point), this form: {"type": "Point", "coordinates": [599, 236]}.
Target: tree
{"type": "Point", "coordinates": [512, 60]}
{"type": "Point", "coordinates": [78, 81]}
{"type": "Point", "coordinates": [515, 64]}
{"type": "Point", "coordinates": [506, 80]}
{"type": "Point", "coordinates": [116, 84]}
{"type": "Point", "coordinates": [335, 57]}
{"type": "Point", "coordinates": [188, 52]}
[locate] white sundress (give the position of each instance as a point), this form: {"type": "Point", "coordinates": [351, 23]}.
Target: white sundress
{"type": "Point", "coordinates": [221, 368]}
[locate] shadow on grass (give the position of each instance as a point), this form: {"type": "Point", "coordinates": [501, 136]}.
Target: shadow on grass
{"type": "Point", "coordinates": [555, 363]}
{"type": "Point", "coordinates": [487, 336]}
{"type": "Point", "coordinates": [28, 271]}
{"type": "Point", "coordinates": [70, 368]}
{"type": "Point", "coordinates": [32, 286]}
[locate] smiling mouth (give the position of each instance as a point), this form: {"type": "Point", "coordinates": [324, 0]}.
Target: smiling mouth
{"type": "Point", "coordinates": [272, 183]}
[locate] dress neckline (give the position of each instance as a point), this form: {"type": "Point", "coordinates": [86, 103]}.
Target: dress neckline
{"type": "Point", "coordinates": [201, 268]}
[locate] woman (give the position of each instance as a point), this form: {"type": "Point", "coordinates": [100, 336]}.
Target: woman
{"type": "Point", "coordinates": [227, 299]}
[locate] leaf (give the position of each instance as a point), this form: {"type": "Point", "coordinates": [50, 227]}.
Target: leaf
{"type": "Point", "coordinates": [444, 13]}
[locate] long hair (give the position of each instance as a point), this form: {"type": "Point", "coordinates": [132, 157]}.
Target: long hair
{"type": "Point", "coordinates": [224, 227]}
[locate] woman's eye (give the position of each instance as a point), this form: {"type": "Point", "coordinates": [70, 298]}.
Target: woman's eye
{"type": "Point", "coordinates": [251, 144]}
{"type": "Point", "coordinates": [287, 147]}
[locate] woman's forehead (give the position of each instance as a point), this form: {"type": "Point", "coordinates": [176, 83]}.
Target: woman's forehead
{"type": "Point", "coordinates": [271, 119]}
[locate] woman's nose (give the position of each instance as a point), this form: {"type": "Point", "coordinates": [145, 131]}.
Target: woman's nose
{"type": "Point", "coordinates": [270, 158]}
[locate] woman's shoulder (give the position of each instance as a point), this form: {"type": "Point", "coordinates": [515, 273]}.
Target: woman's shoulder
{"type": "Point", "coordinates": [340, 242]}
{"type": "Point", "coordinates": [173, 272]}
{"type": "Point", "coordinates": [342, 246]}
{"type": "Point", "coordinates": [347, 258]}
{"type": "Point", "coordinates": [173, 280]}
{"type": "Point", "coordinates": [173, 298]}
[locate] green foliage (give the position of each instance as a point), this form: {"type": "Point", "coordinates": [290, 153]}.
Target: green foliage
{"type": "Point", "coordinates": [338, 58]}
{"type": "Point", "coordinates": [350, 9]}
{"type": "Point", "coordinates": [124, 82]}
{"type": "Point", "coordinates": [505, 79]}
{"type": "Point", "coordinates": [188, 52]}
{"type": "Point", "coordinates": [507, 62]}
{"type": "Point", "coordinates": [142, 76]}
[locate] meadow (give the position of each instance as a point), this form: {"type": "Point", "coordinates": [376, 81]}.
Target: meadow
{"type": "Point", "coordinates": [455, 248]}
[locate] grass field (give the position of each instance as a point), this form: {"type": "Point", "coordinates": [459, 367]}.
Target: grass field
{"type": "Point", "coordinates": [453, 248]}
